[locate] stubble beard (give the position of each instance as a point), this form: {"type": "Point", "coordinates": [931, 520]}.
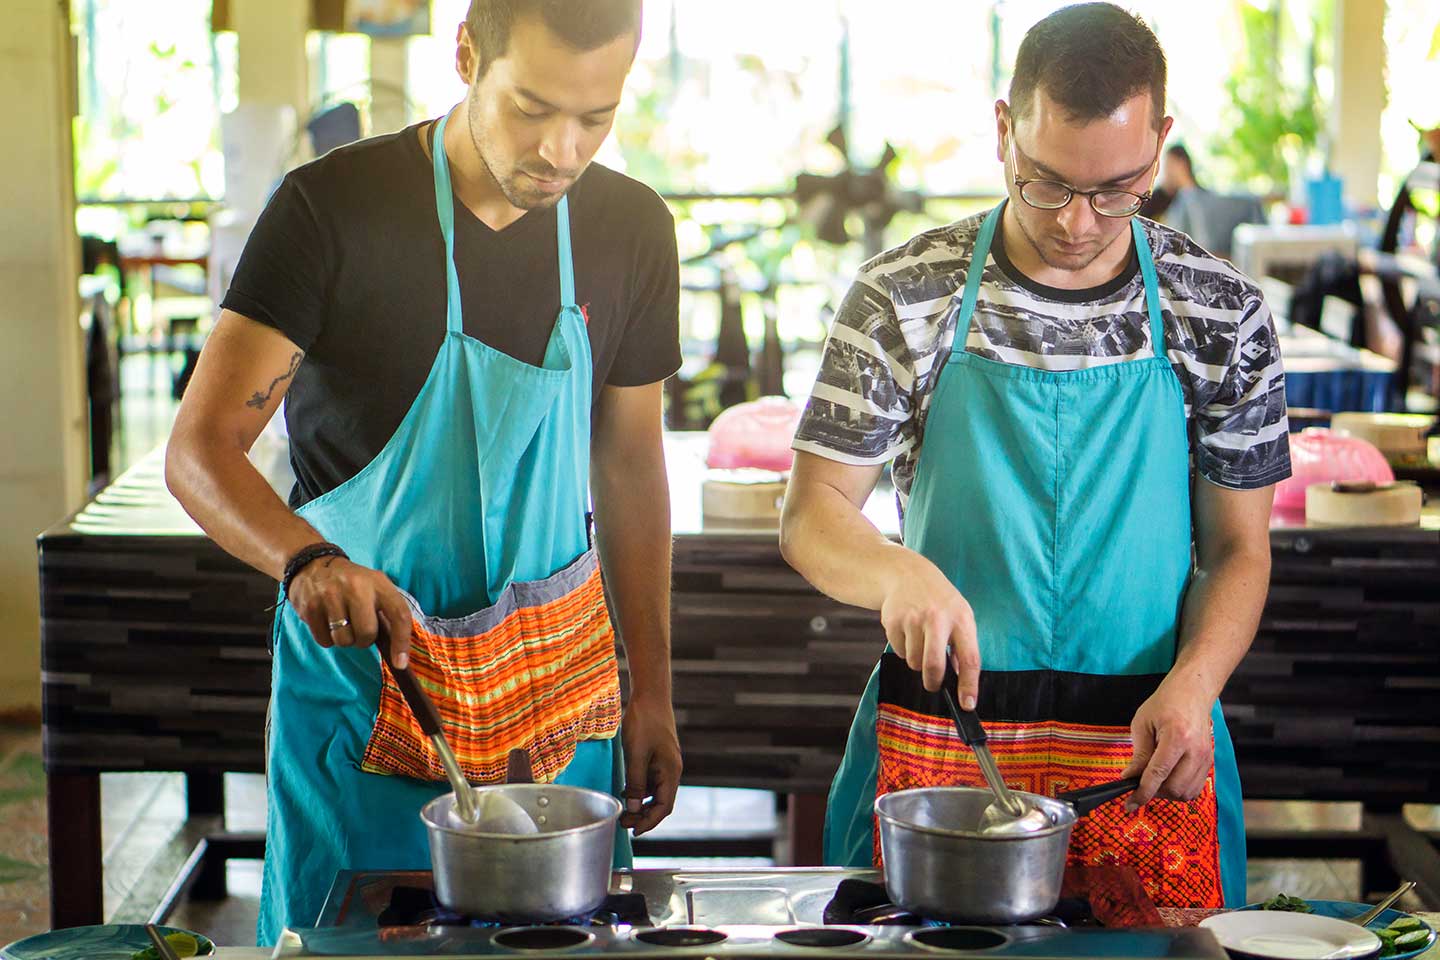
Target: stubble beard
{"type": "Point", "coordinates": [510, 185]}
{"type": "Point", "coordinates": [1069, 266]}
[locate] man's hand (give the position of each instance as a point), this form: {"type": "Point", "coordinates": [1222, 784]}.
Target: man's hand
{"type": "Point", "coordinates": [924, 616]}
{"type": "Point", "coordinates": [826, 537]}
{"type": "Point", "coordinates": [1174, 741]}
{"type": "Point", "coordinates": [1174, 745]}
{"type": "Point", "coordinates": [652, 763]}
{"type": "Point", "coordinates": [331, 589]}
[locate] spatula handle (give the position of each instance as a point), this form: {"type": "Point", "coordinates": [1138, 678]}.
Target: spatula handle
{"type": "Point", "coordinates": [1087, 799]}
{"type": "Point", "coordinates": [967, 722]}
{"type": "Point", "coordinates": [420, 703]}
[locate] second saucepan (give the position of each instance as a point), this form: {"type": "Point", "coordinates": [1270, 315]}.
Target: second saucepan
{"type": "Point", "coordinates": [939, 864]}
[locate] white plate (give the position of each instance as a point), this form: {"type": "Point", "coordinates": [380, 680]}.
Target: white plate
{"type": "Point", "coordinates": [1290, 936]}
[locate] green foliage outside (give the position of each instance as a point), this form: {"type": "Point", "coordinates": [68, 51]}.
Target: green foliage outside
{"type": "Point", "coordinates": [1276, 117]}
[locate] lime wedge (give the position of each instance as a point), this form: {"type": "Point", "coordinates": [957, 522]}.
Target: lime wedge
{"type": "Point", "coordinates": [183, 944]}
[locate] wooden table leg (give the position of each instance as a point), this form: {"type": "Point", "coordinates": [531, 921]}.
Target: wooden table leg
{"type": "Point", "coordinates": [205, 794]}
{"type": "Point", "coordinates": [805, 823]}
{"type": "Point", "coordinates": [77, 890]}
{"type": "Point", "coordinates": [1410, 853]}
{"type": "Point", "coordinates": [205, 797]}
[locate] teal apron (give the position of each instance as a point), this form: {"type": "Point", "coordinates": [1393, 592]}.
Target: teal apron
{"type": "Point", "coordinates": [483, 487]}
{"type": "Point", "coordinates": [1058, 503]}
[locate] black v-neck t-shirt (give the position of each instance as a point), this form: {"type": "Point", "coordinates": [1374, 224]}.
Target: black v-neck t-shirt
{"type": "Point", "coordinates": [347, 261]}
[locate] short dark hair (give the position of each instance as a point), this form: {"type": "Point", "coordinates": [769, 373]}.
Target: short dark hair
{"type": "Point", "coordinates": [1089, 58]}
{"type": "Point", "coordinates": [584, 24]}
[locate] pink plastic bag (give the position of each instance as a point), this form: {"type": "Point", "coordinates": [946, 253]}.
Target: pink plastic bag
{"type": "Point", "coordinates": [755, 434]}
{"type": "Point", "coordinates": [1318, 455]}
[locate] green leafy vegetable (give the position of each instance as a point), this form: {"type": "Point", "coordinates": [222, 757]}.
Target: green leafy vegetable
{"type": "Point", "coordinates": [1290, 904]}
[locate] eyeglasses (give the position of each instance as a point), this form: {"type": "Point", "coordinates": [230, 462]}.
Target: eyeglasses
{"type": "Point", "coordinates": [1053, 195]}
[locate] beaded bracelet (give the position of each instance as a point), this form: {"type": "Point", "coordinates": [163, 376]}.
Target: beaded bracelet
{"type": "Point", "coordinates": [304, 557]}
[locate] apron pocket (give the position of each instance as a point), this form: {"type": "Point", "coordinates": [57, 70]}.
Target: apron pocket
{"type": "Point", "coordinates": [537, 671]}
{"type": "Point", "coordinates": [1172, 845]}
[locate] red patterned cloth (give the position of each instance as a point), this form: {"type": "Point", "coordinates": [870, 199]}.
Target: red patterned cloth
{"type": "Point", "coordinates": [1172, 846]}
{"type": "Point", "coordinates": [1187, 916]}
{"type": "Point", "coordinates": [1116, 896]}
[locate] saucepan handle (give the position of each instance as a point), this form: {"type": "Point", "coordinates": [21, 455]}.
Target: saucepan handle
{"type": "Point", "coordinates": [1088, 798]}
{"type": "Point", "coordinates": [420, 703]}
{"type": "Point", "coordinates": [967, 722]}
{"type": "Point", "coordinates": [517, 767]}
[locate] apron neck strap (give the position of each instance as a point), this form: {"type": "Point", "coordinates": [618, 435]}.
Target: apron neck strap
{"type": "Point", "coordinates": [978, 255]}
{"type": "Point", "coordinates": [562, 237]}
{"type": "Point", "coordinates": [445, 210]}
{"type": "Point", "coordinates": [981, 252]}
{"type": "Point", "coordinates": [1152, 287]}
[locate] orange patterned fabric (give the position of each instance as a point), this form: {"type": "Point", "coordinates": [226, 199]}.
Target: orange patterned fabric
{"type": "Point", "coordinates": [1173, 846]}
{"type": "Point", "coordinates": [541, 679]}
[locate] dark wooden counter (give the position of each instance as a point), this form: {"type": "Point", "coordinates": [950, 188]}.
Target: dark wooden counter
{"type": "Point", "coordinates": [154, 657]}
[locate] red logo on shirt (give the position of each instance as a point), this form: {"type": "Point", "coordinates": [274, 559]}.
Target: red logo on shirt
{"type": "Point", "coordinates": [585, 312]}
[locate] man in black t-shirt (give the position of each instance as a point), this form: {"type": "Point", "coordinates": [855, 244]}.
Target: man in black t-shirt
{"type": "Point", "coordinates": [340, 305]}
{"type": "Point", "coordinates": [347, 255]}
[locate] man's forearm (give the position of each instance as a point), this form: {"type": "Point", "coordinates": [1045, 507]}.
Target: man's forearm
{"type": "Point", "coordinates": [223, 492]}
{"type": "Point", "coordinates": [830, 543]}
{"type": "Point", "coordinates": [632, 526]}
{"type": "Point", "coordinates": [1221, 613]}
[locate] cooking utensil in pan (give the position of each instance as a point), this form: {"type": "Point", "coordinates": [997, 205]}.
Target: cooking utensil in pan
{"type": "Point", "coordinates": [524, 852]}
{"type": "Point", "coordinates": [939, 863]}
{"type": "Point", "coordinates": [1008, 814]}
{"type": "Point", "coordinates": [429, 719]}
{"type": "Point", "coordinates": [488, 812]}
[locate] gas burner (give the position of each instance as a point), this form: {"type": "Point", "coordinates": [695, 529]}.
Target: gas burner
{"type": "Point", "coordinates": [862, 903]}
{"type": "Point", "coordinates": [958, 938]}
{"type": "Point", "coordinates": [542, 938]}
{"type": "Point", "coordinates": [823, 938]}
{"type": "Point", "coordinates": [417, 907]}
{"type": "Point", "coordinates": [681, 937]}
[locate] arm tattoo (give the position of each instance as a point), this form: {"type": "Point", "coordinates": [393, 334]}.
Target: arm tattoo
{"type": "Point", "coordinates": [258, 400]}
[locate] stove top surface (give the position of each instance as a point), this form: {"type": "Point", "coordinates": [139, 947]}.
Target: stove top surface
{"type": "Point", "coordinates": [733, 942]}
{"type": "Point", "coordinates": [726, 914]}
{"type": "Point", "coordinates": [780, 896]}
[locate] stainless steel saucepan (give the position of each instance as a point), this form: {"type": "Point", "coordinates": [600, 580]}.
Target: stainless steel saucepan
{"type": "Point", "coordinates": [560, 871]}
{"type": "Point", "coordinates": [939, 862]}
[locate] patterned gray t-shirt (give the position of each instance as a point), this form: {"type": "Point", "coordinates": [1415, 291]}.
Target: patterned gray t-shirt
{"type": "Point", "coordinates": [897, 323]}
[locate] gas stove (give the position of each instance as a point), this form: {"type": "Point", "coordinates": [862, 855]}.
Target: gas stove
{"type": "Point", "coordinates": [784, 912]}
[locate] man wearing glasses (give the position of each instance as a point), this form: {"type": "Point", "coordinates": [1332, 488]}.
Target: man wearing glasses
{"type": "Point", "coordinates": [1077, 402]}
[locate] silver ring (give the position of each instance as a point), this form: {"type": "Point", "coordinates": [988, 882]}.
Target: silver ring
{"type": "Point", "coordinates": [337, 624]}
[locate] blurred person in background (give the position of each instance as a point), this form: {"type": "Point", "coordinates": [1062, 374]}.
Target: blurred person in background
{"type": "Point", "coordinates": [1209, 218]}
